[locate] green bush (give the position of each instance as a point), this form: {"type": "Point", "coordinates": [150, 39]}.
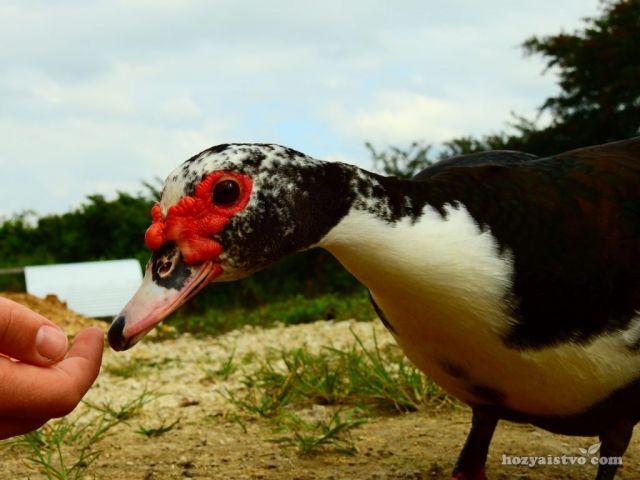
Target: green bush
{"type": "Point", "coordinates": [291, 310]}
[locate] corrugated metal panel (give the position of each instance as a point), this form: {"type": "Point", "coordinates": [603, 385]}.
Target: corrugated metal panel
{"type": "Point", "coordinates": [94, 289]}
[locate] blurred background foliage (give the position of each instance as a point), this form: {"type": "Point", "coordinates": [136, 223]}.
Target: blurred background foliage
{"type": "Point", "coordinates": [598, 71]}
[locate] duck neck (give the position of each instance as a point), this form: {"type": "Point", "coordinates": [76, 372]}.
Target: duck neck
{"type": "Point", "coordinates": [402, 241]}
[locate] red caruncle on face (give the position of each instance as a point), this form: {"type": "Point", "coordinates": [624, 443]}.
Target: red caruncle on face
{"type": "Point", "coordinates": [195, 219]}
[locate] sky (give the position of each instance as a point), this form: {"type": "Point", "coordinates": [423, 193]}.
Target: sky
{"type": "Point", "coordinates": [98, 96]}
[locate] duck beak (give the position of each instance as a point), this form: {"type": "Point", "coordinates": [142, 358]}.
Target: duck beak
{"type": "Point", "coordinates": [168, 283]}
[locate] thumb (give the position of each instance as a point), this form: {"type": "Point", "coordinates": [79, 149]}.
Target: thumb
{"type": "Point", "coordinates": [28, 336]}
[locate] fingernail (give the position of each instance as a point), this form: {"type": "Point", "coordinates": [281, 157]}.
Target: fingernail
{"type": "Point", "coordinates": [51, 342]}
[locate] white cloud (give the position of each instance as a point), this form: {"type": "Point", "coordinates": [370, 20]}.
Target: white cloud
{"type": "Point", "coordinates": [59, 164]}
{"type": "Point", "coordinates": [181, 108]}
{"type": "Point", "coordinates": [400, 117]}
{"type": "Point", "coordinates": [104, 94]}
{"type": "Point", "coordinates": [94, 99]}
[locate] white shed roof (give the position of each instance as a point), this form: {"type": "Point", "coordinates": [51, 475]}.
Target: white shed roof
{"type": "Point", "coordinates": [94, 289]}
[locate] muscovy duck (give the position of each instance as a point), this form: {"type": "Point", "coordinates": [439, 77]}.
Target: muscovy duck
{"type": "Point", "coordinates": [512, 281]}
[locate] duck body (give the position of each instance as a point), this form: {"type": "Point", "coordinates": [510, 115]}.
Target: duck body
{"type": "Point", "coordinates": [511, 272]}
{"type": "Point", "coordinates": [512, 281]}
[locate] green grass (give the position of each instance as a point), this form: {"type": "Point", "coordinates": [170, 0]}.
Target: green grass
{"type": "Point", "coordinates": [365, 381]}
{"type": "Point", "coordinates": [152, 432]}
{"type": "Point", "coordinates": [135, 367]}
{"type": "Point", "coordinates": [63, 449]}
{"type": "Point", "coordinates": [379, 378]}
{"type": "Point", "coordinates": [293, 310]}
{"type": "Point", "coordinates": [123, 369]}
{"type": "Point", "coordinates": [223, 372]}
{"type": "Point", "coordinates": [312, 437]}
{"type": "Point", "coordinates": [125, 411]}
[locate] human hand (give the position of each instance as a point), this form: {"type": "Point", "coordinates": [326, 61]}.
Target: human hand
{"type": "Point", "coordinates": [42, 382]}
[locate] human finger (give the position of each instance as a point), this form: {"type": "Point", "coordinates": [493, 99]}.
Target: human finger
{"type": "Point", "coordinates": [37, 392]}
{"type": "Point", "coordinates": [28, 336]}
{"type": "Point", "coordinates": [10, 427]}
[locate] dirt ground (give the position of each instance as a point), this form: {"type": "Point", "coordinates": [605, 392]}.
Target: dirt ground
{"type": "Point", "coordinates": [206, 444]}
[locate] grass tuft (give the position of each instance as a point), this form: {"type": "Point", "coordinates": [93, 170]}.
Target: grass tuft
{"type": "Point", "coordinates": [381, 378]}
{"type": "Point", "coordinates": [312, 437]}
{"type": "Point", "coordinates": [64, 449]}
{"type": "Point", "coordinates": [126, 411]}
{"type": "Point", "coordinates": [135, 367]}
{"type": "Point", "coordinates": [152, 432]}
{"type": "Point", "coordinates": [123, 369]}
{"type": "Point", "coordinates": [223, 372]}
{"type": "Point", "coordinates": [363, 380]}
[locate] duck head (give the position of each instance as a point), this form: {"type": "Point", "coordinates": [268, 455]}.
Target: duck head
{"type": "Point", "coordinates": [225, 213]}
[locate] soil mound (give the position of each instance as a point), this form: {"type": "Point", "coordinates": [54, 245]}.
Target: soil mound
{"type": "Point", "coordinates": [56, 311]}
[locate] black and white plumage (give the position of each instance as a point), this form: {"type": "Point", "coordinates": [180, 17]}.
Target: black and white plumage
{"type": "Point", "coordinates": [512, 281]}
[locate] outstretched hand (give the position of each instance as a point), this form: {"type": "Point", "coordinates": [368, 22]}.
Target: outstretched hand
{"type": "Point", "coordinates": [39, 379]}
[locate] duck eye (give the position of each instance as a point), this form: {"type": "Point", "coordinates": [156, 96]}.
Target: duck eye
{"type": "Point", "coordinates": [226, 192]}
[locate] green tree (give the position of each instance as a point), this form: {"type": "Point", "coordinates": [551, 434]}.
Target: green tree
{"type": "Point", "coordinates": [400, 162]}
{"type": "Point", "coordinates": [598, 70]}
{"type": "Point", "coordinates": [405, 163]}
{"type": "Point", "coordinates": [100, 229]}
{"type": "Point", "coordinates": [599, 78]}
